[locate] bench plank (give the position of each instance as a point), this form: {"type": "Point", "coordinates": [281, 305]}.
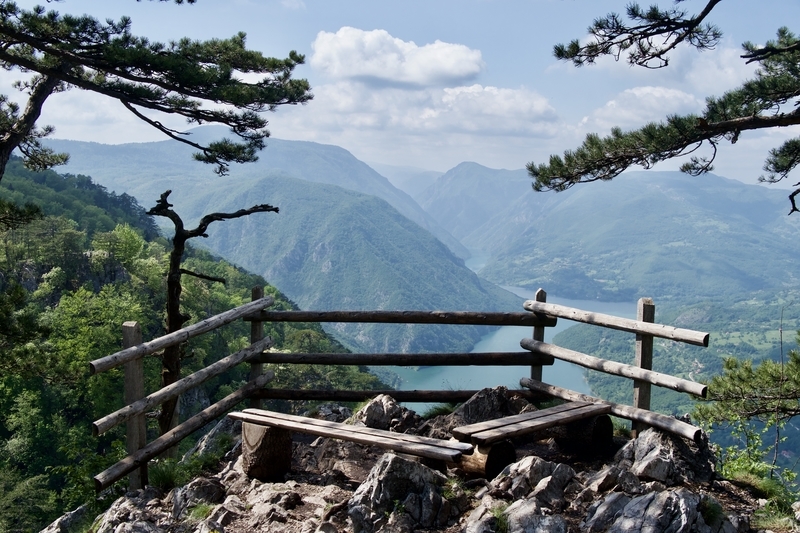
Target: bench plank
{"type": "Point", "coordinates": [464, 433]}
{"type": "Point", "coordinates": [451, 445]}
{"type": "Point", "coordinates": [350, 433]}
{"type": "Point", "coordinates": [539, 424]}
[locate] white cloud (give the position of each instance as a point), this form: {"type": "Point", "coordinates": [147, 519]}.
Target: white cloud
{"type": "Point", "coordinates": [472, 109]}
{"type": "Point", "coordinates": [706, 73]}
{"type": "Point", "coordinates": [712, 73]}
{"type": "Point", "coordinates": [375, 56]}
{"type": "Point", "coordinates": [635, 107]}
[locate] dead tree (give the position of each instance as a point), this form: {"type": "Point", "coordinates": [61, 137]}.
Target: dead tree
{"type": "Point", "coordinates": [171, 358]}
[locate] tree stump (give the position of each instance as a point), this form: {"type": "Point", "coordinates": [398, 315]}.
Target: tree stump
{"type": "Point", "coordinates": [266, 452]}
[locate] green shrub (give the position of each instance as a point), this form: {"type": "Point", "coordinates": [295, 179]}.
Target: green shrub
{"type": "Point", "coordinates": [501, 518]}
{"type": "Point", "coordinates": [440, 409]}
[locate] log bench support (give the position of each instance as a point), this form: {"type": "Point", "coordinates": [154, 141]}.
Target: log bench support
{"type": "Point", "coordinates": [577, 425]}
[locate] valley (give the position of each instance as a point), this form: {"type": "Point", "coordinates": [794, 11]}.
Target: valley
{"type": "Point", "coordinates": [713, 253]}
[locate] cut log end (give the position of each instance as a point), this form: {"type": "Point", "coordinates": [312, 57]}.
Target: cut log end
{"type": "Point", "coordinates": [488, 461]}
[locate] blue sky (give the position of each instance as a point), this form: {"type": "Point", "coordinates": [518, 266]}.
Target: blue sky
{"type": "Point", "coordinates": [433, 83]}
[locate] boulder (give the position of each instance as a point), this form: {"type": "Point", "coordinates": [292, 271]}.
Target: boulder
{"type": "Point", "coordinates": [486, 404]}
{"type": "Point", "coordinates": [398, 485]}
{"type": "Point", "coordinates": [383, 412]}
{"type": "Point", "coordinates": [657, 456]}
{"type": "Point", "coordinates": [137, 512]}
{"type": "Point", "coordinates": [199, 490]}
{"type": "Point", "coordinates": [66, 522]}
{"type": "Point", "coordinates": [675, 510]}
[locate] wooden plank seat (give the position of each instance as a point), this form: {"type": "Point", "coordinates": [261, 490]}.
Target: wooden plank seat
{"type": "Point", "coordinates": [267, 442]}
{"type": "Point", "coordinates": [492, 431]}
{"type": "Point", "coordinates": [411, 444]}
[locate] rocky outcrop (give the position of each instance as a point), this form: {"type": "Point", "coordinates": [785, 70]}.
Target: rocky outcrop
{"type": "Point", "coordinates": [398, 486]}
{"type": "Point", "coordinates": [383, 412]}
{"type": "Point", "coordinates": [655, 483]}
{"type": "Point", "coordinates": [487, 404]}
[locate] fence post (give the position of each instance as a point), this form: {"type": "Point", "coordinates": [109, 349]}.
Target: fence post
{"type": "Point", "coordinates": [256, 334]}
{"type": "Point", "coordinates": [538, 335]}
{"type": "Point", "coordinates": [646, 312]}
{"type": "Point", "coordinates": [136, 427]}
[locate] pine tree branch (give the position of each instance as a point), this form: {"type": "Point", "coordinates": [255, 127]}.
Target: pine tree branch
{"type": "Point", "coordinates": [613, 36]}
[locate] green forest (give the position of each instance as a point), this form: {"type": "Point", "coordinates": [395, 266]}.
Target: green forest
{"type": "Point", "coordinates": [90, 261]}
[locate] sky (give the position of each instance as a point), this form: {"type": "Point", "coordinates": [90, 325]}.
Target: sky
{"type": "Point", "coordinates": [430, 84]}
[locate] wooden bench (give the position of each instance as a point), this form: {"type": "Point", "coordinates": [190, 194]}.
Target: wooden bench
{"type": "Point", "coordinates": [268, 454]}
{"type": "Point", "coordinates": [481, 448]}
{"type": "Point", "coordinates": [492, 431]}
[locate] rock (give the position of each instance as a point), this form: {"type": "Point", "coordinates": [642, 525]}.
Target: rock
{"type": "Point", "coordinates": [383, 412]}
{"type": "Point", "coordinates": [525, 516]}
{"type": "Point", "coordinates": [660, 457]}
{"type": "Point", "coordinates": [603, 480]}
{"type": "Point", "coordinates": [602, 513]}
{"type": "Point", "coordinates": [136, 512]}
{"type": "Point", "coordinates": [550, 490]}
{"type": "Point", "coordinates": [484, 518]}
{"type": "Point", "coordinates": [398, 485]}
{"type": "Point", "coordinates": [675, 510]}
{"type": "Point", "coordinates": [336, 459]}
{"type": "Point", "coordinates": [199, 490]}
{"type": "Point", "coordinates": [521, 477]}
{"type": "Point", "coordinates": [486, 404]}
{"type": "Point", "coordinates": [138, 526]}
{"type": "Point", "coordinates": [67, 521]}
{"type": "Point", "coordinates": [209, 526]}
{"type": "Point", "coordinates": [223, 437]}
{"type": "Point", "coordinates": [331, 412]}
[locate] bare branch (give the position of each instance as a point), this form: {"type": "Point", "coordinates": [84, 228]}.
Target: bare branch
{"type": "Point", "coordinates": [203, 276]}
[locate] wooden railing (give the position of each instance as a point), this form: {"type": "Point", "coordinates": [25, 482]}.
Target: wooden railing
{"type": "Point", "coordinates": [539, 315]}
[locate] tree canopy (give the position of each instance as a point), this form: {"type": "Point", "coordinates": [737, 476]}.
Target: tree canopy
{"type": "Point", "coordinates": [198, 80]}
{"type": "Point", "coordinates": [648, 36]}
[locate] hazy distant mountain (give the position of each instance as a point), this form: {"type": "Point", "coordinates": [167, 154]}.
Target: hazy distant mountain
{"type": "Point", "coordinates": [469, 195]}
{"type": "Point", "coordinates": [410, 180]}
{"type": "Point", "coordinates": [660, 234]}
{"type": "Point", "coordinates": [328, 248]}
{"type": "Point", "coordinates": [115, 165]}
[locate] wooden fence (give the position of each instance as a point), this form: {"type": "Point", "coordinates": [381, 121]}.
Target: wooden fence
{"type": "Point", "coordinates": [538, 316]}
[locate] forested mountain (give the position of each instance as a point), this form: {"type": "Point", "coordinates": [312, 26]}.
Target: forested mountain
{"type": "Point", "coordinates": [131, 167]}
{"type": "Point", "coordinates": [660, 234]}
{"type": "Point", "coordinates": [69, 281]}
{"type": "Point", "coordinates": [329, 247]}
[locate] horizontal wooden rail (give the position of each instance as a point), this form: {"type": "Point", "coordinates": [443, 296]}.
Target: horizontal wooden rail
{"type": "Point", "coordinates": [697, 338]}
{"type": "Point", "coordinates": [172, 391]}
{"type": "Point", "coordinates": [117, 471]}
{"type": "Point", "coordinates": [667, 423]}
{"type": "Point", "coordinates": [140, 350]}
{"type": "Point", "coordinates": [408, 317]}
{"type": "Point", "coordinates": [617, 369]}
{"type": "Point", "coordinates": [443, 396]}
{"type": "Point", "coordinates": [405, 359]}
